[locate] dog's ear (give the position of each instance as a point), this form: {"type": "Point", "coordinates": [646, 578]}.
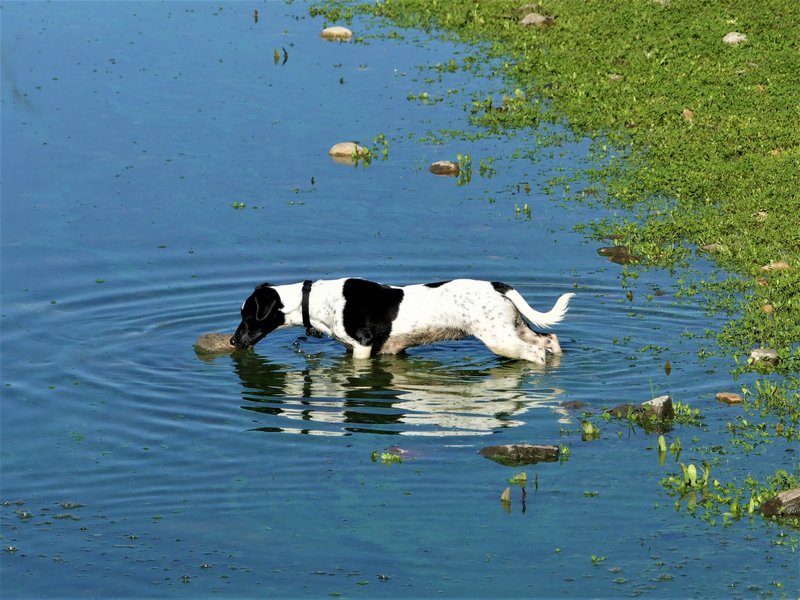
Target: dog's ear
{"type": "Point", "coordinates": [267, 301]}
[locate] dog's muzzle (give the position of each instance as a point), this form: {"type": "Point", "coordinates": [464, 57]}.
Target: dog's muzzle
{"type": "Point", "coordinates": [241, 338]}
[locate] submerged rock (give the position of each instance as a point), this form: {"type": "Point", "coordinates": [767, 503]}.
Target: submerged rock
{"type": "Point", "coordinates": [214, 343]}
{"type": "Point", "coordinates": [515, 455]}
{"type": "Point", "coordinates": [572, 404]}
{"type": "Point", "coordinates": [337, 32]}
{"type": "Point", "coordinates": [785, 504]}
{"type": "Point", "coordinates": [618, 254]}
{"type": "Point", "coordinates": [444, 167]}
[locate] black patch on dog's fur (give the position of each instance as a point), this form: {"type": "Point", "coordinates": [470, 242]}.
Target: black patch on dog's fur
{"type": "Point", "coordinates": [437, 284]}
{"type": "Point", "coordinates": [369, 311]}
{"type": "Point", "coordinates": [501, 288]}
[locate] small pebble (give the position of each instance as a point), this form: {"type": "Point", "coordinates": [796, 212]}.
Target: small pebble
{"type": "Point", "coordinates": [336, 33]}
{"type": "Point", "coordinates": [734, 37]}
{"type": "Point", "coordinates": [347, 150]}
{"type": "Point", "coordinates": [444, 167]}
{"type": "Point", "coordinates": [729, 398]}
{"type": "Point", "coordinates": [537, 19]}
{"type": "Point", "coordinates": [688, 114]}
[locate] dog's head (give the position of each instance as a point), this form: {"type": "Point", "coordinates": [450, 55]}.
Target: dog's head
{"type": "Point", "coordinates": [261, 314]}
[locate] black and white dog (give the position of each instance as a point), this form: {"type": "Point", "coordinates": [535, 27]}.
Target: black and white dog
{"type": "Point", "coordinates": [370, 318]}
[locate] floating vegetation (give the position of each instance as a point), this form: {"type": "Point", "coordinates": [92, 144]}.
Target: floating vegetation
{"type": "Point", "coordinates": [464, 168]}
{"type": "Point", "coordinates": [513, 109]}
{"type": "Point", "coordinates": [589, 431]}
{"type": "Point", "coordinates": [525, 210]}
{"type": "Point", "coordinates": [519, 479]}
{"type": "Point", "coordinates": [387, 457]}
{"type": "Point", "coordinates": [729, 501]}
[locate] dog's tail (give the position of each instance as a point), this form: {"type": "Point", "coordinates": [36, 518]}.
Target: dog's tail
{"type": "Point", "coordinates": [536, 318]}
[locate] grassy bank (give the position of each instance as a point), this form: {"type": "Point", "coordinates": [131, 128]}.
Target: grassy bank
{"type": "Point", "coordinates": [711, 133]}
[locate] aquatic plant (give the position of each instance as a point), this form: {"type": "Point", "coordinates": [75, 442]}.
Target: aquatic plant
{"type": "Point", "coordinates": [464, 168]}
{"type": "Point", "coordinates": [589, 431]}
{"type": "Point", "coordinates": [519, 479]}
{"type": "Point", "coordinates": [386, 458]}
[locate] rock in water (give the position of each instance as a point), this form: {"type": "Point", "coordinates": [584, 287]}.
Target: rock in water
{"type": "Point", "coordinates": [214, 343]}
{"type": "Point", "coordinates": [662, 407]}
{"type": "Point", "coordinates": [780, 265]}
{"type": "Point", "coordinates": [729, 398]}
{"type": "Point", "coordinates": [444, 167]}
{"type": "Point", "coordinates": [336, 33]}
{"type": "Point", "coordinates": [514, 455]}
{"type": "Point", "coordinates": [347, 150]}
{"type": "Point", "coordinates": [785, 504]}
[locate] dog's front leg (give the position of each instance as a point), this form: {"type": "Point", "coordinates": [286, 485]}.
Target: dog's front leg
{"type": "Point", "coordinates": [361, 352]}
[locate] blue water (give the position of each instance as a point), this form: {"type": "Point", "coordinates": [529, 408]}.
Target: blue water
{"type": "Point", "coordinates": [132, 467]}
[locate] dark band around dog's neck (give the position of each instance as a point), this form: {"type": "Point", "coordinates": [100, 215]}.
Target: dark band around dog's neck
{"type": "Point", "coordinates": [304, 305]}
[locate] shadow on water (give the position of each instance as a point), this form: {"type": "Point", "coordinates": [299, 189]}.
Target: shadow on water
{"type": "Point", "coordinates": [391, 395]}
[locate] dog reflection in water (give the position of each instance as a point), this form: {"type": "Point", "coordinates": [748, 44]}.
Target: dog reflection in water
{"type": "Point", "coordinates": [411, 396]}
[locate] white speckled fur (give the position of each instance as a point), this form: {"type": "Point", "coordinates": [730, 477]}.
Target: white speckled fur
{"type": "Point", "coordinates": [454, 310]}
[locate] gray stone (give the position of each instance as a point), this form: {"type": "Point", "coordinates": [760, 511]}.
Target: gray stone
{"type": "Point", "coordinates": [662, 407]}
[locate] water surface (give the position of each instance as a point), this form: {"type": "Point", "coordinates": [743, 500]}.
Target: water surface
{"type": "Point", "coordinates": [131, 467]}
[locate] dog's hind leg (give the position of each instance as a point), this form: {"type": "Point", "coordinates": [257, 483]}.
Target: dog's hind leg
{"type": "Point", "coordinates": [515, 348]}
{"type": "Point", "coordinates": [549, 341]}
